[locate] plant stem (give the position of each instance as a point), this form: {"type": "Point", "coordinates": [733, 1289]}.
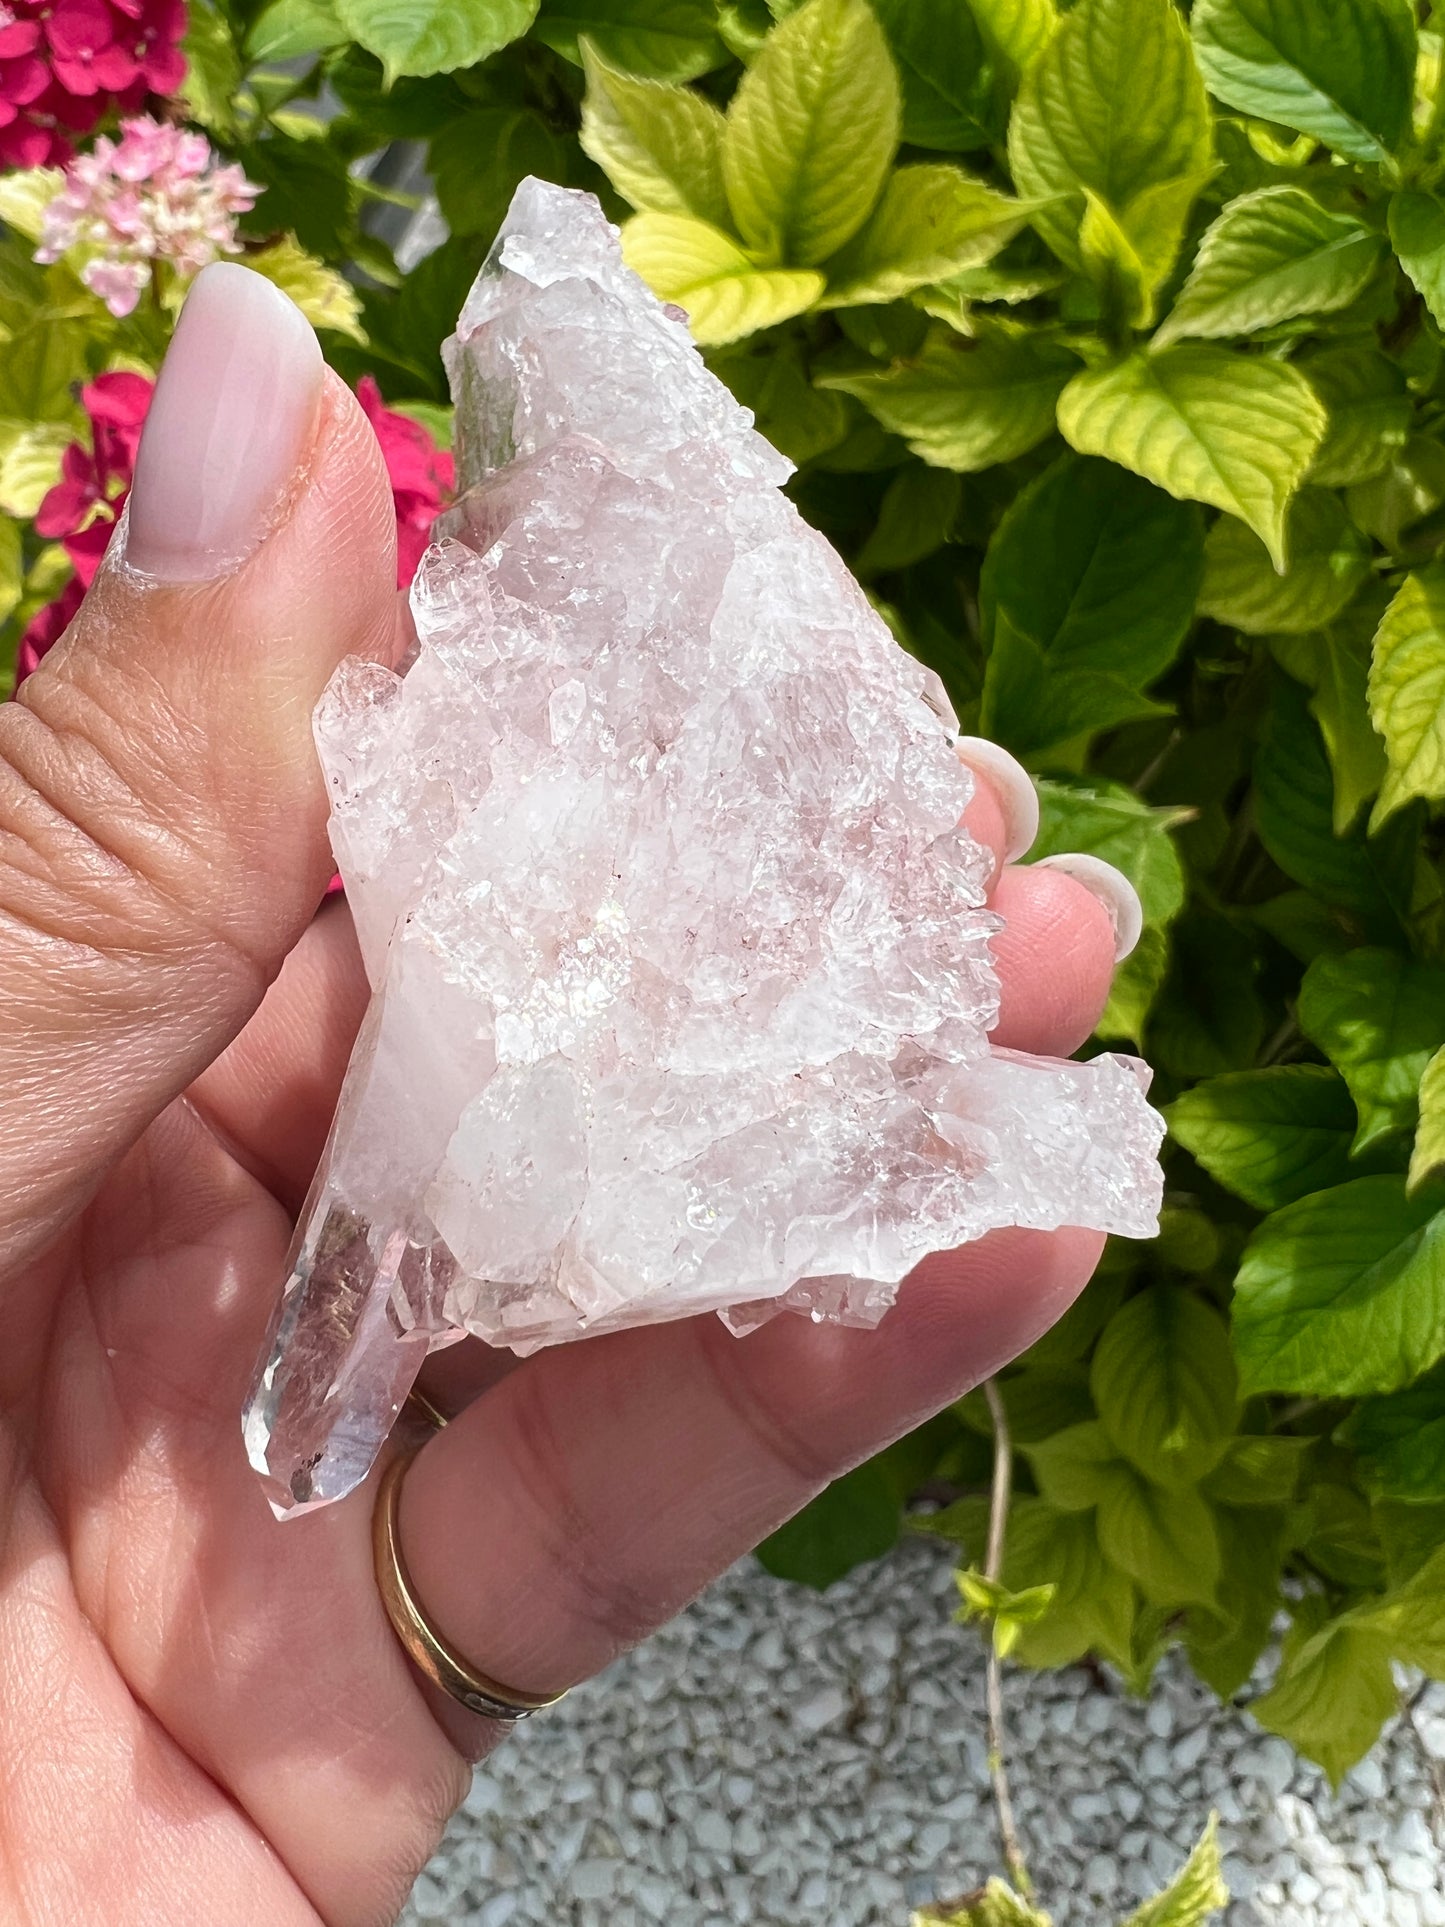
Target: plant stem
{"type": "Point", "coordinates": [993, 1570]}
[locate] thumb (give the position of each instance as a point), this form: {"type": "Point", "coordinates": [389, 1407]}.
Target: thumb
{"type": "Point", "coordinates": [162, 815]}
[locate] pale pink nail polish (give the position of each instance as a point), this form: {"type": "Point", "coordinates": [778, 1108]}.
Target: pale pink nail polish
{"type": "Point", "coordinates": [1012, 785]}
{"type": "Point", "coordinates": [1111, 887]}
{"type": "Point", "coordinates": [229, 425]}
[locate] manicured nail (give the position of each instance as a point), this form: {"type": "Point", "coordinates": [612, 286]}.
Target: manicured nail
{"type": "Point", "coordinates": [229, 425]}
{"type": "Point", "coordinates": [1012, 785]}
{"type": "Point", "coordinates": [1111, 887]}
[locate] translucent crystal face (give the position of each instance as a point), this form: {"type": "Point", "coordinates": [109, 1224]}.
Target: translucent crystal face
{"type": "Point", "coordinates": [680, 957]}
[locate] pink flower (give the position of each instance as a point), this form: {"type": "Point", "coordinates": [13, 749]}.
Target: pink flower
{"type": "Point", "coordinates": [422, 475]}
{"type": "Point", "coordinates": [153, 196]}
{"type": "Point", "coordinates": [66, 64]}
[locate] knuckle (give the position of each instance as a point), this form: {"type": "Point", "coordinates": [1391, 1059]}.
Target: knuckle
{"type": "Point", "coordinates": [101, 852]}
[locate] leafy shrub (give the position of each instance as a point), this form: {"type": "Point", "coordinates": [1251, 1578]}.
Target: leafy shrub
{"type": "Point", "coordinates": [1107, 341]}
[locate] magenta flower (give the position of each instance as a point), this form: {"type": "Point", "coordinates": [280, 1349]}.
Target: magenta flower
{"type": "Point", "coordinates": [155, 195]}
{"type": "Point", "coordinates": [66, 64]}
{"type": "Point", "coordinates": [421, 476]}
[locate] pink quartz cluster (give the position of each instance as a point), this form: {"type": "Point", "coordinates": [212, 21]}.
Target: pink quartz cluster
{"type": "Point", "coordinates": [154, 195]}
{"type": "Point", "coordinates": [66, 64]}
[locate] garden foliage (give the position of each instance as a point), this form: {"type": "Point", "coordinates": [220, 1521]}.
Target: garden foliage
{"type": "Point", "coordinates": [1107, 342]}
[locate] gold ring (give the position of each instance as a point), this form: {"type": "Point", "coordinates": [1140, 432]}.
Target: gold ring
{"type": "Point", "coordinates": [430, 1650]}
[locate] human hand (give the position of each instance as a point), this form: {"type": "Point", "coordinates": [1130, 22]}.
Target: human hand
{"type": "Point", "coordinates": [204, 1715]}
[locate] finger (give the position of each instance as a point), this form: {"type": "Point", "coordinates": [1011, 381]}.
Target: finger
{"type": "Point", "coordinates": [1055, 957]}
{"type": "Point", "coordinates": [271, 1094]}
{"type": "Point", "coordinates": [590, 1494]}
{"type": "Point", "coordinates": [162, 817]}
{"type": "Point", "coordinates": [1003, 813]}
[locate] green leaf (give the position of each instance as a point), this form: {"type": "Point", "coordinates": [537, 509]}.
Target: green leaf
{"type": "Point", "coordinates": [1331, 1697]}
{"type": "Point", "coordinates": [30, 458]}
{"type": "Point", "coordinates": [1368, 405]}
{"type": "Point", "coordinates": [1092, 1609]}
{"type": "Point", "coordinates": [1342, 1292]}
{"type": "Point", "coordinates": [433, 36]}
{"type": "Point", "coordinates": [1270, 1136]}
{"type": "Point", "coordinates": [1114, 105]}
{"type": "Point", "coordinates": [1225, 1643]}
{"type": "Point", "coordinates": [915, 517]}
{"type": "Point", "coordinates": [800, 420]}
{"type": "Point", "coordinates": [1328, 560]}
{"type": "Point", "coordinates": [1195, 1894]}
{"type": "Point", "coordinates": [1206, 425]}
{"type": "Point", "coordinates": [1428, 1156]}
{"type": "Point", "coordinates": [1073, 645]}
{"type": "Point", "coordinates": [1379, 1017]}
{"type": "Point", "coordinates": [1407, 692]}
{"type": "Point", "coordinates": [293, 29]}
{"type": "Point", "coordinates": [659, 145]}
{"type": "Point", "coordinates": [948, 92]}
{"type": "Point", "coordinates": [1411, 1617]}
{"type": "Point", "coordinates": [1164, 1383]}
{"type": "Point", "coordinates": [1411, 483]}
{"type": "Point", "coordinates": [325, 297]}
{"type": "Point", "coordinates": [1074, 1467]}
{"type": "Point", "coordinates": [856, 1518]}
{"type": "Point", "coordinates": [932, 222]}
{"type": "Point", "coordinates": [1400, 1441]}
{"type": "Point", "coordinates": [25, 196]}
{"type": "Point", "coordinates": [12, 571]}
{"type": "Point", "coordinates": [1294, 801]}
{"type": "Point", "coordinates": [213, 70]}
{"type": "Point", "coordinates": [307, 191]}
{"type": "Point", "coordinates": [661, 39]}
{"type": "Point", "coordinates": [1208, 1017]}
{"type": "Point", "coordinates": [1258, 1471]}
{"type": "Point", "coordinates": [39, 370]}
{"type": "Point", "coordinates": [705, 271]}
{"type": "Point", "coordinates": [1333, 664]}
{"type": "Point", "coordinates": [1107, 820]}
{"type": "Point", "coordinates": [967, 404]}
{"type": "Point", "coordinates": [1342, 70]}
{"type": "Point", "coordinates": [1136, 984]}
{"type": "Point", "coordinates": [998, 1905]}
{"type": "Point", "coordinates": [1165, 1540]}
{"type": "Point", "coordinates": [810, 133]}
{"type": "Point", "coordinates": [1417, 229]}
{"type": "Point", "coordinates": [1268, 257]}
{"type": "Point", "coordinates": [1016, 30]}
{"type": "Point", "coordinates": [478, 159]}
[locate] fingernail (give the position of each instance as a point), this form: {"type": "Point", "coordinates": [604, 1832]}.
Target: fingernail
{"type": "Point", "coordinates": [1013, 786]}
{"type": "Point", "coordinates": [229, 424]}
{"type": "Point", "coordinates": [1112, 888]}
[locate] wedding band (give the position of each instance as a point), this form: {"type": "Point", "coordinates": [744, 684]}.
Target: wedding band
{"type": "Point", "coordinates": [430, 1651]}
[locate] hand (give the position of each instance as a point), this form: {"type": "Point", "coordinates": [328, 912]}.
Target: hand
{"type": "Point", "coordinates": [204, 1715]}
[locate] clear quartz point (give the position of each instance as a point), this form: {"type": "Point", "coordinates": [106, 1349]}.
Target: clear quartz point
{"type": "Point", "coordinates": [680, 959]}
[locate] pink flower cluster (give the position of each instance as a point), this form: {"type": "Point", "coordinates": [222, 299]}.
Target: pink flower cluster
{"type": "Point", "coordinates": [85, 504]}
{"type": "Point", "coordinates": [66, 64]}
{"type": "Point", "coordinates": [154, 195]}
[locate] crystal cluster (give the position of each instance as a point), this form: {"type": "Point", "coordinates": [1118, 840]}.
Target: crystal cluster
{"type": "Point", "coordinates": [680, 956]}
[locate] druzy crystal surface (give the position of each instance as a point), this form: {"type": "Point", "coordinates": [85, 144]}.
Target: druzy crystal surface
{"type": "Point", "coordinates": [680, 958]}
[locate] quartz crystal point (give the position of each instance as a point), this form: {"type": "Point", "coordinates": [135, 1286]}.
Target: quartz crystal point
{"type": "Point", "coordinates": [679, 955]}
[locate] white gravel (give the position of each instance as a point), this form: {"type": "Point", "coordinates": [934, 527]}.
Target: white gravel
{"type": "Point", "coordinates": [775, 1758]}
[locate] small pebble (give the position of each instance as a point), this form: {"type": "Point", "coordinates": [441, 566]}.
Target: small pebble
{"type": "Point", "coordinates": [773, 1756]}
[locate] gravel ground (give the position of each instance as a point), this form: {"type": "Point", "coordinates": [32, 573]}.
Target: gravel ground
{"type": "Point", "coordinates": [784, 1760]}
